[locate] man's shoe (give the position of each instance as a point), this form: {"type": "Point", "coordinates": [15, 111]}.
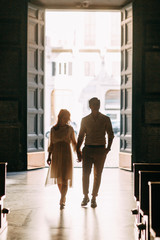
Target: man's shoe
{"type": "Point", "coordinates": [84, 201]}
{"type": "Point", "coordinates": [93, 203]}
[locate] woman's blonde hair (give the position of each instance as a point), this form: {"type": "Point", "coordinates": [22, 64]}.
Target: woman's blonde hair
{"type": "Point", "coordinates": [62, 113]}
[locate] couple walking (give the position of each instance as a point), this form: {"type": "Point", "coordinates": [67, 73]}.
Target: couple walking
{"type": "Point", "coordinates": [93, 130]}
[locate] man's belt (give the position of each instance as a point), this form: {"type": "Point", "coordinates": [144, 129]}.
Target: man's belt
{"type": "Point", "coordinates": [95, 146]}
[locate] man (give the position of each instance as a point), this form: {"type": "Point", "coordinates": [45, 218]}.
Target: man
{"type": "Point", "coordinates": [93, 128]}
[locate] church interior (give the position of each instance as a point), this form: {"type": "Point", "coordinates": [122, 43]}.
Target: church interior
{"type": "Point", "coordinates": [128, 203]}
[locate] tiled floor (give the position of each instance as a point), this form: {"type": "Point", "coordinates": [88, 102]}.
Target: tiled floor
{"type": "Point", "coordinates": [35, 215]}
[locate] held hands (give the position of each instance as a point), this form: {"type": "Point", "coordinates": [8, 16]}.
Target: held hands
{"type": "Point", "coordinates": [49, 161]}
{"type": "Point", "coordinates": [79, 155]}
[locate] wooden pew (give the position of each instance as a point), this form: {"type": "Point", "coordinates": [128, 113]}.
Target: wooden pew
{"type": "Point", "coordinates": [154, 210]}
{"type": "Point", "coordinates": [144, 178]}
{"type": "Point", "coordinates": [3, 211]}
{"type": "Point", "coordinates": [136, 168]}
{"type": "Point", "coordinates": [142, 167]}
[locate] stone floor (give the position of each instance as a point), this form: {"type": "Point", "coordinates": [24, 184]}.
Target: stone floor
{"type": "Point", "coordinates": [35, 214]}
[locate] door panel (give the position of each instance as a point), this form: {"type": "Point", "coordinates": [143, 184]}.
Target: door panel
{"type": "Point", "coordinates": [13, 96]}
{"type": "Point", "coordinates": [126, 89]}
{"type": "Point", "coordinates": [35, 126]}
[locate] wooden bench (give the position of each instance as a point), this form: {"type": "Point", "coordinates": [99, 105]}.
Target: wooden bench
{"type": "Point", "coordinates": [144, 178]}
{"type": "Point", "coordinates": [142, 167]}
{"type": "Point", "coordinates": [154, 210]}
{"type": "Point", "coordinates": [136, 168]}
{"type": "Point", "coordinates": [3, 211]}
{"type": "Point", "coordinates": [138, 217]}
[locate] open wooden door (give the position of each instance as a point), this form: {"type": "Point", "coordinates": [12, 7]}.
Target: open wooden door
{"type": "Point", "coordinates": [125, 154]}
{"type": "Point", "coordinates": [35, 82]}
{"type": "Point", "coordinates": [13, 97]}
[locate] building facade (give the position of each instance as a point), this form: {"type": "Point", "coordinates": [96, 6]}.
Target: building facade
{"type": "Point", "coordinates": [82, 64]}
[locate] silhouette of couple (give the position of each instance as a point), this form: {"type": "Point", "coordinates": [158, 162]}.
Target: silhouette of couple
{"type": "Point", "coordinates": [93, 130]}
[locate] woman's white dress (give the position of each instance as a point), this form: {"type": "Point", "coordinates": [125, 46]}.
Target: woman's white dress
{"type": "Point", "coordinates": [61, 168]}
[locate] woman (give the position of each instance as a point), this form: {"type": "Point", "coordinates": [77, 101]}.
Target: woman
{"type": "Point", "coordinates": [59, 153]}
